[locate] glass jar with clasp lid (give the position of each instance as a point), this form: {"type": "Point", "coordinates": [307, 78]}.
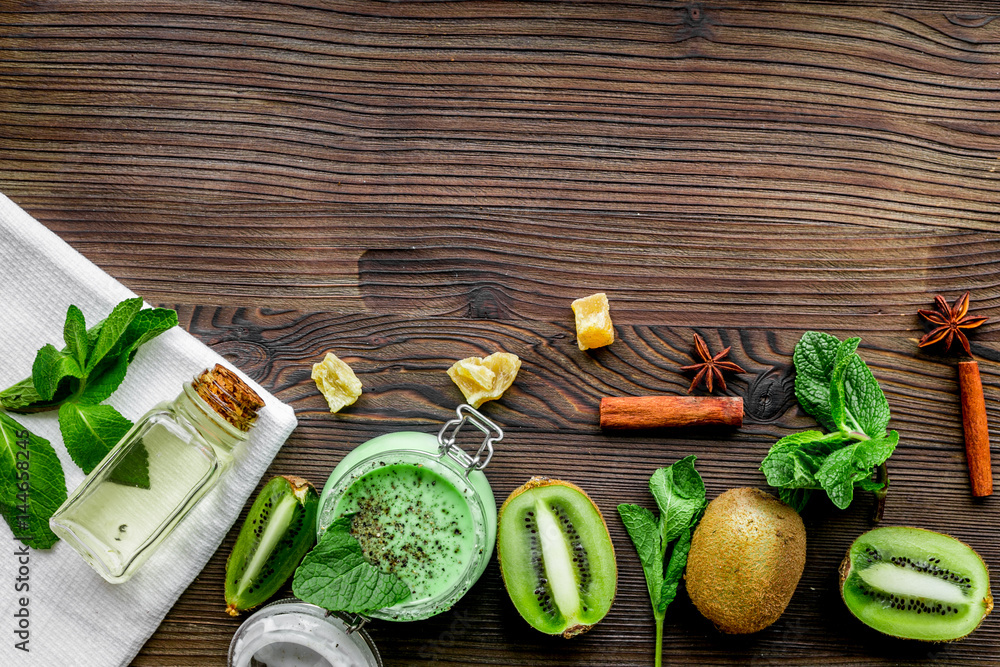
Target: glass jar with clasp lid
{"type": "Point", "coordinates": [292, 633]}
{"type": "Point", "coordinates": [423, 509]}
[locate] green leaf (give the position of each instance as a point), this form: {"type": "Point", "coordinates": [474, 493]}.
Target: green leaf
{"type": "Point", "coordinates": [75, 335]}
{"type": "Point", "coordinates": [20, 395]}
{"type": "Point", "coordinates": [90, 431]}
{"type": "Point", "coordinates": [103, 381]}
{"type": "Point", "coordinates": [675, 570]}
{"type": "Point", "coordinates": [643, 528]}
{"type": "Point", "coordinates": [680, 495]}
{"type": "Point", "coordinates": [838, 404]}
{"type": "Point", "coordinates": [133, 468]}
{"type": "Point", "coordinates": [853, 463]}
{"type": "Point", "coordinates": [865, 401]}
{"type": "Point", "coordinates": [49, 370]}
{"type": "Point", "coordinates": [112, 329]}
{"type": "Point", "coordinates": [814, 358]}
{"type": "Point", "coordinates": [32, 485]}
{"type": "Point", "coordinates": [793, 461]}
{"type": "Point", "coordinates": [147, 325]}
{"type": "Point", "coordinates": [336, 576]}
{"type": "Point", "coordinates": [795, 498]}
{"type": "Point", "coordinates": [108, 375]}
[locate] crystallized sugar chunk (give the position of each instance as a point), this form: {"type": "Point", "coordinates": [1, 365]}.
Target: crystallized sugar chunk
{"type": "Point", "coordinates": [484, 379]}
{"type": "Point", "coordinates": [337, 382]}
{"type": "Point", "coordinates": [593, 321]}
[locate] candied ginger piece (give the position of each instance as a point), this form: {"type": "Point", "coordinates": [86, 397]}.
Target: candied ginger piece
{"type": "Point", "coordinates": [484, 379]}
{"type": "Point", "coordinates": [593, 321]}
{"type": "Point", "coordinates": [337, 382]}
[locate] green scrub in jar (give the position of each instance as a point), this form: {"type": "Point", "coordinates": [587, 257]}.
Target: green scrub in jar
{"type": "Point", "coordinates": [419, 512]}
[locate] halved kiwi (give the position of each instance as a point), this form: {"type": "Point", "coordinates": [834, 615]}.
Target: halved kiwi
{"type": "Point", "coordinates": [556, 557]}
{"type": "Point", "coordinates": [277, 533]}
{"type": "Point", "coordinates": [915, 584]}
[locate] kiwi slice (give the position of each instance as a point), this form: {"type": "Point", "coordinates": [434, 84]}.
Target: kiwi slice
{"type": "Point", "coordinates": [915, 584]}
{"type": "Point", "coordinates": [556, 557]}
{"type": "Point", "coordinates": [277, 533]}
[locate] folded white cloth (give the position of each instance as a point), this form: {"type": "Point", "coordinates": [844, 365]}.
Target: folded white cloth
{"type": "Point", "coordinates": [75, 617]}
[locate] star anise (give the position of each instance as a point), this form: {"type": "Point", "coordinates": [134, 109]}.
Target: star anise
{"type": "Point", "coordinates": [950, 320]}
{"type": "Point", "coordinates": [710, 366]}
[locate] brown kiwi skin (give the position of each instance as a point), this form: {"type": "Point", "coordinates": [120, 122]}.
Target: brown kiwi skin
{"type": "Point", "coordinates": [769, 566]}
{"type": "Point", "coordinates": [845, 571]}
{"type": "Point", "coordinates": [537, 482]}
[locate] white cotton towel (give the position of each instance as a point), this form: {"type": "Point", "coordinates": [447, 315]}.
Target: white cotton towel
{"type": "Point", "coordinates": [75, 617]}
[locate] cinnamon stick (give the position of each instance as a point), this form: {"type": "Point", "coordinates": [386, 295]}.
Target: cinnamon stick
{"type": "Point", "coordinates": [977, 435]}
{"type": "Point", "coordinates": [635, 412]}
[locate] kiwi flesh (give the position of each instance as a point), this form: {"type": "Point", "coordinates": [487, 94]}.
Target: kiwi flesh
{"type": "Point", "coordinates": [747, 556]}
{"type": "Point", "coordinates": [556, 557]}
{"type": "Point", "coordinates": [915, 584]}
{"type": "Point", "coordinates": [277, 533]}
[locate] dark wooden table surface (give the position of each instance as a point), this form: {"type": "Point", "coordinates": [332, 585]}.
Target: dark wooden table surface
{"type": "Point", "coordinates": [412, 183]}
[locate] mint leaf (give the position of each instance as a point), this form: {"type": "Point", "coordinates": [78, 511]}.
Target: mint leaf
{"type": "Point", "coordinates": [103, 381]}
{"type": "Point", "coordinates": [838, 399]}
{"type": "Point", "coordinates": [856, 399]}
{"type": "Point", "coordinates": [51, 367]}
{"type": "Point", "coordinates": [32, 485]}
{"type": "Point", "coordinates": [795, 498]}
{"type": "Point", "coordinates": [147, 325]}
{"type": "Point", "coordinates": [336, 576]}
{"type": "Point", "coordinates": [853, 463]}
{"type": "Point", "coordinates": [675, 570]}
{"type": "Point", "coordinates": [90, 431]}
{"type": "Point", "coordinates": [133, 468]}
{"type": "Point", "coordinates": [644, 530]}
{"type": "Point", "coordinates": [109, 374]}
{"type": "Point", "coordinates": [814, 358]}
{"type": "Point", "coordinates": [794, 460]}
{"type": "Point", "coordinates": [75, 335]}
{"type": "Point", "coordinates": [680, 495]}
{"type": "Point", "coordinates": [20, 395]}
{"type": "Point", "coordinates": [112, 329]}
{"type": "Point", "coordinates": [869, 485]}
{"type": "Point", "coordinates": [865, 401]}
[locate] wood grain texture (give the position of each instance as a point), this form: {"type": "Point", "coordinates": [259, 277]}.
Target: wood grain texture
{"type": "Point", "coordinates": [273, 134]}
{"type": "Point", "coordinates": [409, 183]}
{"type": "Point", "coordinates": [550, 417]}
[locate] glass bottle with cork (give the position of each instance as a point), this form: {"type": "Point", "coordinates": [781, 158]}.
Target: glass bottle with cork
{"type": "Point", "coordinates": [157, 473]}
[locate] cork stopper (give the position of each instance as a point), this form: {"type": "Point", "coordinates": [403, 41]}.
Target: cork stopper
{"type": "Point", "coordinates": [229, 396]}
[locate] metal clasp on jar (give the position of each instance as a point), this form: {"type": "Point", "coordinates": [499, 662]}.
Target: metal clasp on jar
{"type": "Point", "coordinates": [448, 435]}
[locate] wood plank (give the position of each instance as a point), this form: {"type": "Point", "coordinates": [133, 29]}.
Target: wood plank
{"type": "Point", "coordinates": [550, 417]}
{"type": "Point", "coordinates": [828, 112]}
{"type": "Point", "coordinates": [501, 264]}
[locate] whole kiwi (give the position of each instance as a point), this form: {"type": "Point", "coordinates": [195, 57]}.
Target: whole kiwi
{"type": "Point", "coordinates": [747, 556]}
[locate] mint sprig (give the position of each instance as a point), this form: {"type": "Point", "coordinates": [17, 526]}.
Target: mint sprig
{"type": "Point", "coordinates": [336, 576]}
{"type": "Point", "coordinates": [834, 385]}
{"type": "Point", "coordinates": [75, 381]}
{"type": "Point", "coordinates": [680, 496]}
